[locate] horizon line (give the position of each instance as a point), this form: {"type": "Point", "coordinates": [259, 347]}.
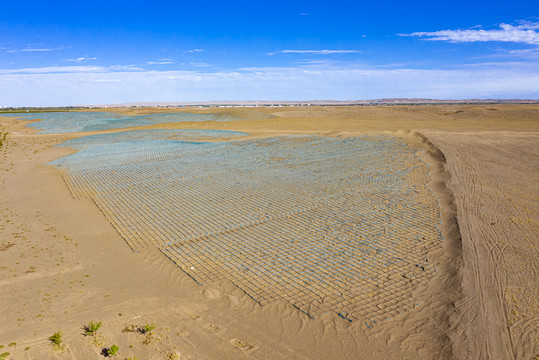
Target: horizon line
{"type": "Point", "coordinates": [380, 101]}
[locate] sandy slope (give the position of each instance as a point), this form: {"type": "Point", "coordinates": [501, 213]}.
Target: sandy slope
{"type": "Point", "coordinates": [497, 202]}
{"type": "Point", "coordinates": [63, 265]}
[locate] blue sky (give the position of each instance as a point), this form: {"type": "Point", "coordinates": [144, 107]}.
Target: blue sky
{"type": "Point", "coordinates": [67, 53]}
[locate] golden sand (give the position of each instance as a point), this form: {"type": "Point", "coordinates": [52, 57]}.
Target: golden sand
{"type": "Point", "coordinates": [62, 264]}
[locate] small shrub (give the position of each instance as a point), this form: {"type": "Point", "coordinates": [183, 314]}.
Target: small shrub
{"type": "Point", "coordinates": [92, 327]}
{"type": "Point", "coordinates": [112, 351]}
{"type": "Point", "coordinates": [56, 338]}
{"type": "Point", "coordinates": [146, 329]}
{"type": "Point", "coordinates": [3, 138]}
{"type": "Point", "coordinates": [4, 355]}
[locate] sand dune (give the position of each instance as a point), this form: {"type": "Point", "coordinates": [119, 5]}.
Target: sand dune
{"type": "Point", "coordinates": [63, 264]}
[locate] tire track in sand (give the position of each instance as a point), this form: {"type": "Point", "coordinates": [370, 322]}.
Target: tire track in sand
{"type": "Point", "coordinates": [497, 210]}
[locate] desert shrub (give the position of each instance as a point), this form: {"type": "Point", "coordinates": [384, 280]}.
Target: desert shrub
{"type": "Point", "coordinates": [56, 338]}
{"type": "Point", "coordinates": [112, 351]}
{"type": "Point", "coordinates": [92, 327]}
{"type": "Point", "coordinates": [146, 329]}
{"type": "Point", "coordinates": [3, 137]}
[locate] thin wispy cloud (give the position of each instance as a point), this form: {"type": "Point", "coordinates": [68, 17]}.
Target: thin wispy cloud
{"type": "Point", "coordinates": [82, 85]}
{"type": "Point", "coordinates": [527, 53]}
{"type": "Point", "coordinates": [527, 25]}
{"type": "Point", "coordinates": [81, 59]}
{"type": "Point", "coordinates": [323, 62]}
{"type": "Point", "coordinates": [314, 52]}
{"type": "Point", "coordinates": [524, 33]}
{"type": "Point", "coordinates": [507, 65]}
{"type": "Point", "coordinates": [41, 49]}
{"type": "Point", "coordinates": [195, 50]}
{"type": "Point", "coordinates": [29, 50]}
{"type": "Point", "coordinates": [198, 64]}
{"type": "Point", "coordinates": [161, 62]}
{"type": "Point", "coordinates": [530, 55]}
{"type": "Point", "coordinates": [71, 69]}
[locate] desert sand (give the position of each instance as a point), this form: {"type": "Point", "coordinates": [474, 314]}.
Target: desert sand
{"type": "Point", "coordinates": [63, 264]}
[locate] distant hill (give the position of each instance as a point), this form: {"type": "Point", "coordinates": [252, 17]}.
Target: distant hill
{"type": "Point", "coordinates": [386, 101]}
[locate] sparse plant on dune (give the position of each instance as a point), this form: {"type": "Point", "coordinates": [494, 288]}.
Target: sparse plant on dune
{"type": "Point", "coordinates": [56, 338]}
{"type": "Point", "coordinates": [92, 327]}
{"type": "Point", "coordinates": [3, 137]}
{"type": "Point", "coordinates": [4, 355]}
{"type": "Point", "coordinates": [112, 351]}
{"type": "Point", "coordinates": [146, 329]}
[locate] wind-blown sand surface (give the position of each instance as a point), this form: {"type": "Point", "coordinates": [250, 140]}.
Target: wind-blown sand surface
{"type": "Point", "coordinates": [62, 264]}
{"type": "Point", "coordinates": [498, 203]}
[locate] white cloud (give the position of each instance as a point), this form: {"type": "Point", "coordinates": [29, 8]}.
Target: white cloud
{"type": "Point", "coordinates": [524, 33]}
{"type": "Point", "coordinates": [199, 64]}
{"type": "Point", "coordinates": [81, 59]}
{"type": "Point", "coordinates": [101, 86]}
{"type": "Point", "coordinates": [514, 65]}
{"type": "Point", "coordinates": [528, 25]}
{"type": "Point", "coordinates": [526, 53]}
{"type": "Point", "coordinates": [160, 62]}
{"type": "Point", "coordinates": [25, 50]}
{"type": "Point", "coordinates": [195, 50]}
{"type": "Point", "coordinates": [71, 69]}
{"type": "Point", "coordinates": [43, 49]}
{"type": "Point", "coordinates": [316, 52]}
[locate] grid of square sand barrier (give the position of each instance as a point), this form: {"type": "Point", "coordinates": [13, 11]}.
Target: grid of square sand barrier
{"type": "Point", "coordinates": [327, 224]}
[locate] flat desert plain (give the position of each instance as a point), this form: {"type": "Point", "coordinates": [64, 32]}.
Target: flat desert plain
{"type": "Point", "coordinates": [365, 232]}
